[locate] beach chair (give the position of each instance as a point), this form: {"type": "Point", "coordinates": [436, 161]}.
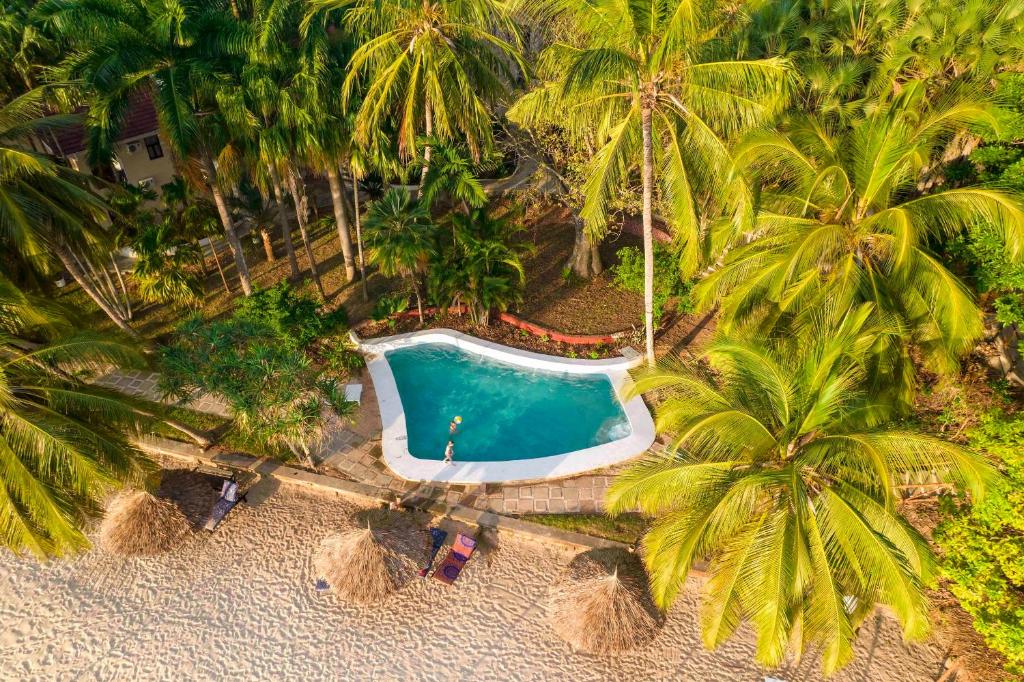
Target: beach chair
{"type": "Point", "coordinates": [437, 538]}
{"type": "Point", "coordinates": [354, 393]}
{"type": "Point", "coordinates": [457, 557]}
{"type": "Point", "coordinates": [233, 490]}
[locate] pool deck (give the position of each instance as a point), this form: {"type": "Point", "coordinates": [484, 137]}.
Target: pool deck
{"type": "Point", "coordinates": [394, 435]}
{"type": "Point", "coordinates": [353, 451]}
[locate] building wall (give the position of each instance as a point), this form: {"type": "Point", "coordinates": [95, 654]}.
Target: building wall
{"type": "Point", "coordinates": [133, 157]}
{"type": "Point", "coordinates": [137, 166]}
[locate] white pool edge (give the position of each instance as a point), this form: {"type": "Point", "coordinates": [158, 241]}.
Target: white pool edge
{"type": "Point", "coordinates": [394, 437]}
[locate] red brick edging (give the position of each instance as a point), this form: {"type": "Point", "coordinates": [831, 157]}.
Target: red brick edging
{"type": "Point", "coordinates": [531, 327]}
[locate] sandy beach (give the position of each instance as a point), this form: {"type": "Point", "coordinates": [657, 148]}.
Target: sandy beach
{"type": "Point", "coordinates": [240, 605]}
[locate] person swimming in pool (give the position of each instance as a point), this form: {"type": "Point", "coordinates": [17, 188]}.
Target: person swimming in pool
{"type": "Point", "coordinates": [453, 427]}
{"type": "Point", "coordinates": [449, 452]}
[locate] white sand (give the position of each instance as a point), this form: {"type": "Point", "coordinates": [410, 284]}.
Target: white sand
{"type": "Point", "coordinates": [241, 605]}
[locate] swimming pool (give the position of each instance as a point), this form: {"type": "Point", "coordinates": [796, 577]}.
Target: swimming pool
{"type": "Point", "coordinates": [524, 415]}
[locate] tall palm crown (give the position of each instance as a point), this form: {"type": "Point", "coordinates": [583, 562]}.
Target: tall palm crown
{"type": "Point", "coordinates": [400, 235]}
{"type": "Point", "coordinates": [647, 71]}
{"type": "Point", "coordinates": [63, 443]}
{"type": "Point", "coordinates": [174, 51]}
{"type": "Point", "coordinates": [43, 204]}
{"type": "Point", "coordinates": [842, 222]}
{"type": "Point", "coordinates": [432, 65]}
{"type": "Point", "coordinates": [781, 473]}
{"type": "Point", "coordinates": [615, 59]}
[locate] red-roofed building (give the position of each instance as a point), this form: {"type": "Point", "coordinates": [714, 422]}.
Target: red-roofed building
{"type": "Point", "coordinates": [141, 155]}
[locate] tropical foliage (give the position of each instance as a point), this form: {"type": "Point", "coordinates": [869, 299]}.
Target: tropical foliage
{"type": "Point", "coordinates": [400, 237]}
{"type": "Point", "coordinates": [478, 264]}
{"type": "Point", "coordinates": [646, 74]}
{"type": "Point", "coordinates": [257, 362]}
{"type": "Point", "coordinates": [982, 553]}
{"type": "Point", "coordinates": [166, 266]}
{"type": "Point", "coordinates": [841, 222]}
{"type": "Point", "coordinates": [781, 471]}
{"type": "Point", "coordinates": [64, 444]}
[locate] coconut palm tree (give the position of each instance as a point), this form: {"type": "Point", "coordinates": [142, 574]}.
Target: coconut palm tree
{"type": "Point", "coordinates": [842, 221]}
{"type": "Point", "coordinates": [649, 71]}
{"type": "Point", "coordinates": [48, 210]}
{"type": "Point", "coordinates": [400, 235]}
{"type": "Point", "coordinates": [451, 173]}
{"type": "Point", "coordinates": [479, 264]}
{"type": "Point", "coordinates": [63, 444]}
{"type": "Point", "coordinates": [195, 219]}
{"type": "Point", "coordinates": [166, 265]}
{"type": "Point", "coordinates": [433, 66]}
{"type": "Point", "coordinates": [326, 139]}
{"type": "Point", "coordinates": [781, 472]}
{"type": "Point", "coordinates": [171, 51]}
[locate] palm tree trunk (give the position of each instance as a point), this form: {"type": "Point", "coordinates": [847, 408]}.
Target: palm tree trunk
{"type": "Point", "coordinates": [300, 215]}
{"type": "Point", "coordinates": [286, 231]}
{"type": "Point", "coordinates": [428, 116]}
{"type": "Point", "coordinates": [648, 184]}
{"type": "Point", "coordinates": [341, 220]}
{"type": "Point", "coordinates": [585, 259]}
{"type": "Point", "coordinates": [216, 260]}
{"type": "Point", "coordinates": [71, 265]}
{"type": "Point", "coordinates": [268, 245]}
{"type": "Point", "coordinates": [359, 238]}
{"type": "Point", "coordinates": [124, 289]}
{"type": "Point", "coordinates": [419, 299]}
{"type": "Point", "coordinates": [202, 259]}
{"type": "Point", "coordinates": [229, 227]}
{"type": "Point", "coordinates": [103, 286]}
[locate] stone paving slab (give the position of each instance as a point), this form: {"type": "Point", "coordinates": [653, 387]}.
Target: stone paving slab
{"type": "Point", "coordinates": [352, 449]}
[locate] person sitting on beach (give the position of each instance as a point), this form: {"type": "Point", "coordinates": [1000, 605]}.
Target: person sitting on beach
{"type": "Point", "coordinates": [454, 425]}
{"type": "Point", "coordinates": [449, 452]}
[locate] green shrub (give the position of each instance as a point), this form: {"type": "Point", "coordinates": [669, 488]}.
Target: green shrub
{"type": "Point", "coordinates": [983, 250]}
{"type": "Point", "coordinates": [1010, 310]}
{"type": "Point", "coordinates": [341, 359]}
{"type": "Point", "coordinates": [274, 390]}
{"type": "Point", "coordinates": [983, 544]}
{"type": "Point", "coordinates": [668, 284]}
{"type": "Point", "coordinates": [295, 318]}
{"type": "Point", "coordinates": [389, 305]}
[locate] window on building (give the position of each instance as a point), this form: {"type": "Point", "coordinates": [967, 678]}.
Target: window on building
{"type": "Point", "coordinates": [153, 147]}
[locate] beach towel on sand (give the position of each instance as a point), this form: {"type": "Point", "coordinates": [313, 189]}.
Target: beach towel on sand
{"type": "Point", "coordinates": [457, 557]}
{"type": "Point", "coordinates": [438, 537]}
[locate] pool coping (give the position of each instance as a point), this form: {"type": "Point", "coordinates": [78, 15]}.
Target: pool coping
{"type": "Point", "coordinates": [394, 437]}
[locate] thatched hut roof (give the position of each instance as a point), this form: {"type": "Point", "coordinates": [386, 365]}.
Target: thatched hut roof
{"type": "Point", "coordinates": [139, 524]}
{"type": "Point", "coordinates": [369, 564]}
{"type": "Point", "coordinates": [602, 605]}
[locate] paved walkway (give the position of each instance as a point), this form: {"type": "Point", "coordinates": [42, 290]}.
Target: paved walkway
{"type": "Point", "coordinates": [143, 384]}
{"type": "Point", "coordinates": [353, 451]}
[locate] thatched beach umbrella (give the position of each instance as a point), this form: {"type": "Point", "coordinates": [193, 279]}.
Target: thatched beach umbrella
{"type": "Point", "coordinates": [193, 492]}
{"type": "Point", "coordinates": [602, 605]}
{"type": "Point", "coordinates": [139, 524]}
{"type": "Point", "coordinates": [369, 564]}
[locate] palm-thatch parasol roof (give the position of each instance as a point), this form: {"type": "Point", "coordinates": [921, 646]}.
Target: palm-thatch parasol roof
{"type": "Point", "coordinates": [139, 524]}
{"type": "Point", "coordinates": [369, 564]}
{"type": "Point", "coordinates": [193, 492]}
{"type": "Point", "coordinates": [602, 605]}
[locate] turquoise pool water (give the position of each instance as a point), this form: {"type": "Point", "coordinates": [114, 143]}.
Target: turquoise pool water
{"type": "Point", "coordinates": [508, 411]}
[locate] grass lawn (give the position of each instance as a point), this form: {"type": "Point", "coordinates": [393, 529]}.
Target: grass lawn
{"type": "Point", "coordinates": [625, 528]}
